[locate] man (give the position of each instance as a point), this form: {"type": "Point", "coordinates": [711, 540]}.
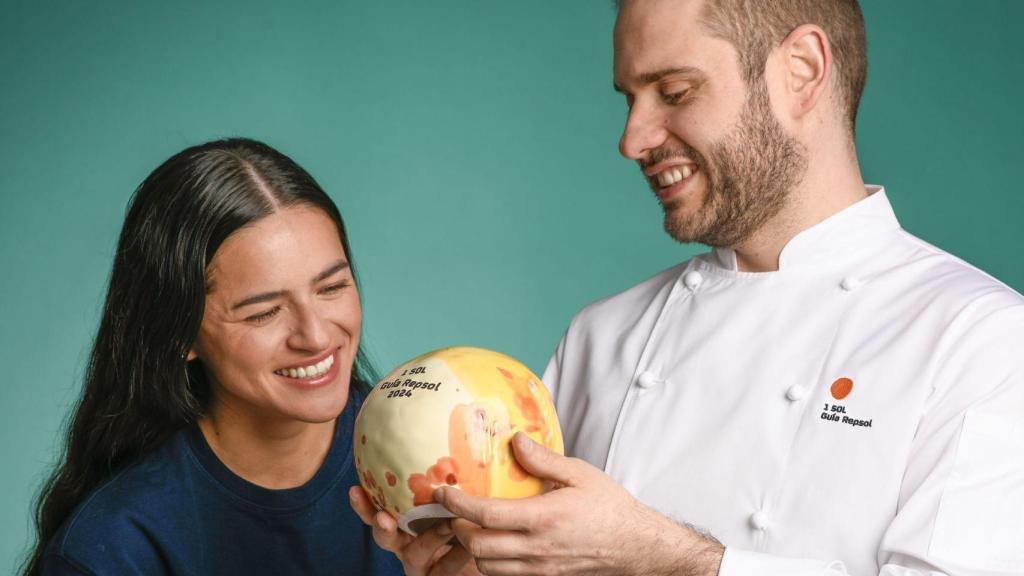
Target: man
{"type": "Point", "coordinates": [822, 393]}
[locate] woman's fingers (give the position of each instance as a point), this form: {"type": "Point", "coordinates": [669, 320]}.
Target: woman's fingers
{"type": "Point", "coordinates": [456, 562]}
{"type": "Point", "coordinates": [424, 550]}
{"type": "Point", "coordinates": [385, 529]}
{"type": "Point", "coordinates": [388, 536]}
{"type": "Point", "coordinates": [361, 504]}
{"type": "Point", "coordinates": [426, 554]}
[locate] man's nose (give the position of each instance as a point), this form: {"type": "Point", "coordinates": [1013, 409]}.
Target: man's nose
{"type": "Point", "coordinates": [644, 132]}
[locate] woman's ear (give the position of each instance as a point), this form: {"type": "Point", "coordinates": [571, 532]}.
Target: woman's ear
{"type": "Point", "coordinates": [192, 355]}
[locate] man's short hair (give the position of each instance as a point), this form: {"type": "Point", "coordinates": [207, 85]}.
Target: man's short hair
{"type": "Point", "coordinates": [756, 27]}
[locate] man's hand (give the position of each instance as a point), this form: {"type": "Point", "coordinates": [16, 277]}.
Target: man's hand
{"type": "Point", "coordinates": [428, 554]}
{"type": "Point", "coordinates": [588, 525]}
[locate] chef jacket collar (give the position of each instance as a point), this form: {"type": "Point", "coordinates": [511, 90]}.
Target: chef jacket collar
{"type": "Point", "coordinates": [844, 234]}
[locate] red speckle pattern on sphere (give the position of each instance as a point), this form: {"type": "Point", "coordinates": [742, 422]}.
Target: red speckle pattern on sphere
{"type": "Point", "coordinates": [445, 471]}
{"type": "Point", "coordinates": [422, 490]}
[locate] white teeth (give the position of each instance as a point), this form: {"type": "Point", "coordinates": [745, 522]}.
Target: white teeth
{"type": "Point", "coordinates": [318, 369]}
{"type": "Point", "coordinates": [328, 362]}
{"type": "Point", "coordinates": [670, 176]}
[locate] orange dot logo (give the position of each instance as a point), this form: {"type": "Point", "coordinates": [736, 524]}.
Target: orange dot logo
{"type": "Point", "coordinates": [841, 388]}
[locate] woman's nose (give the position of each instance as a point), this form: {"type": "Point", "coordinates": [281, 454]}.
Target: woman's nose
{"type": "Point", "coordinates": [310, 331]}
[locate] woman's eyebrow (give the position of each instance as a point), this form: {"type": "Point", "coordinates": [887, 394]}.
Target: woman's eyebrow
{"type": "Point", "coordinates": [258, 298]}
{"type": "Point", "coordinates": [268, 296]}
{"type": "Point", "coordinates": [332, 270]}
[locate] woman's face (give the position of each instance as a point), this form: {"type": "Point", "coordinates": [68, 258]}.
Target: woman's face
{"type": "Point", "coordinates": [281, 324]}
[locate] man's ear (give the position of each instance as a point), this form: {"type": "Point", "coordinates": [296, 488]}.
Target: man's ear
{"type": "Point", "coordinates": [807, 63]}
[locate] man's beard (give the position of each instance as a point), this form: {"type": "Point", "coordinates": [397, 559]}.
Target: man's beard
{"type": "Point", "coordinates": [749, 177]}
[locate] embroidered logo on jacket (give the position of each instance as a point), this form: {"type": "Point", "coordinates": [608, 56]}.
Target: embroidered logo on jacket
{"type": "Point", "coordinates": [841, 388]}
{"type": "Point", "coordinates": [836, 412]}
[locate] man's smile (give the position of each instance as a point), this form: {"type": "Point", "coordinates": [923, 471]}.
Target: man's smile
{"type": "Point", "coordinates": [669, 177]}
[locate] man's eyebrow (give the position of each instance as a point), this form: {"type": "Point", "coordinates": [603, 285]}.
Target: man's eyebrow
{"type": "Point", "coordinates": [268, 296]}
{"type": "Point", "coordinates": [658, 75]}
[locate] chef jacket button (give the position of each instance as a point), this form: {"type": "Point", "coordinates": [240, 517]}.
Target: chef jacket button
{"type": "Point", "coordinates": [851, 283]}
{"type": "Point", "coordinates": [647, 380]}
{"type": "Point", "coordinates": [692, 280]}
{"type": "Point", "coordinates": [795, 393]}
{"type": "Point", "coordinates": [759, 520]}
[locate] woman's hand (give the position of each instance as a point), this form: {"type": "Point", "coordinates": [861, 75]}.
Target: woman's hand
{"type": "Point", "coordinates": [428, 554]}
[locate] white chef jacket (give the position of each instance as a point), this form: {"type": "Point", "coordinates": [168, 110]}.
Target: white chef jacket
{"type": "Point", "coordinates": [860, 410]}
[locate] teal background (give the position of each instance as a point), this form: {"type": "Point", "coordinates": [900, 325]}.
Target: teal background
{"type": "Point", "coordinates": [471, 146]}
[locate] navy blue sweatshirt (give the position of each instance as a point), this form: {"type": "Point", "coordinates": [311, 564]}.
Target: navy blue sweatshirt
{"type": "Point", "coordinates": [179, 510]}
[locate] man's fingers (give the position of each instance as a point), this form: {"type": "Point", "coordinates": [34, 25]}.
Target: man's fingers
{"type": "Point", "coordinates": [487, 512]}
{"type": "Point", "coordinates": [490, 543]}
{"type": "Point", "coordinates": [506, 567]}
{"type": "Point", "coordinates": [546, 464]}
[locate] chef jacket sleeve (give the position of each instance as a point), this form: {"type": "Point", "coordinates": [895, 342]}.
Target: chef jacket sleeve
{"type": "Point", "coordinates": [961, 505]}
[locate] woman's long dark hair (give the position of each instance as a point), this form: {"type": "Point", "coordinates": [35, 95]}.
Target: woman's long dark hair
{"type": "Point", "coordinates": [139, 389]}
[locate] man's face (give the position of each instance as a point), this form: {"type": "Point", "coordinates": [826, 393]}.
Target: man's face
{"type": "Point", "coordinates": [712, 150]}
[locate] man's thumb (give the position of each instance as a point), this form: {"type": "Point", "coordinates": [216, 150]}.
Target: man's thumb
{"type": "Point", "coordinates": [542, 462]}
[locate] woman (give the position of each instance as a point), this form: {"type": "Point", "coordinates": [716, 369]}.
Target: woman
{"type": "Point", "coordinates": [213, 435]}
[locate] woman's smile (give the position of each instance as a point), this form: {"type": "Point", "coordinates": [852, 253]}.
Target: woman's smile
{"type": "Point", "coordinates": [313, 374]}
